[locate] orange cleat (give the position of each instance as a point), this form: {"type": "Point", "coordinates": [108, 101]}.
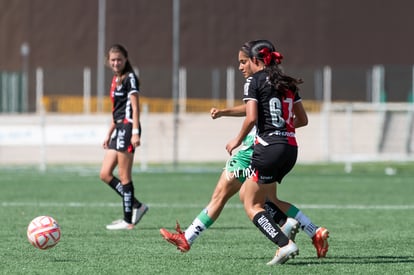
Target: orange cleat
{"type": "Point", "coordinates": [320, 241]}
{"type": "Point", "coordinates": [178, 239]}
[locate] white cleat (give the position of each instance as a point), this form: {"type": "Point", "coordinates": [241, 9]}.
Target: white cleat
{"type": "Point", "coordinates": [290, 228]}
{"type": "Point", "coordinates": [138, 213]}
{"type": "Point", "coordinates": [285, 253]}
{"type": "Point", "coordinates": [120, 225]}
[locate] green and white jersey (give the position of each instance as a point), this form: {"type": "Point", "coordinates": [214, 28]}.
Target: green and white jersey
{"type": "Point", "coordinates": [248, 141]}
{"type": "Point", "coordinates": [238, 166]}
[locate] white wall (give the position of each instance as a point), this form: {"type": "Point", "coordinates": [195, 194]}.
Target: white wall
{"type": "Point", "coordinates": [29, 139]}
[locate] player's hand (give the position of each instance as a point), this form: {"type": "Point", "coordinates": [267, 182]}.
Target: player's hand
{"type": "Point", "coordinates": [215, 113]}
{"type": "Point", "coordinates": [105, 143]}
{"type": "Point", "coordinates": [233, 144]}
{"type": "Point", "coordinates": [135, 141]}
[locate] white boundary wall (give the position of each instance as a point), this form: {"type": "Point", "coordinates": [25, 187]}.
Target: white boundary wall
{"type": "Point", "coordinates": [54, 139]}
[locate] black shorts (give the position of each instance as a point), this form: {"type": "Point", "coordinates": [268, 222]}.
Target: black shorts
{"type": "Point", "coordinates": [272, 162]}
{"type": "Point", "coordinates": [121, 138]}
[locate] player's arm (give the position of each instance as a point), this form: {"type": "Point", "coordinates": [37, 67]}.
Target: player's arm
{"type": "Point", "coordinates": [248, 124]}
{"type": "Point", "coordinates": [135, 139]}
{"type": "Point", "coordinates": [108, 135]}
{"type": "Point", "coordinates": [236, 111]}
{"type": "Point", "coordinates": [301, 118]}
{"type": "Point", "coordinates": [135, 110]}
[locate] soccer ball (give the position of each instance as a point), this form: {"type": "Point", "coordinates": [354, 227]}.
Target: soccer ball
{"type": "Point", "coordinates": [43, 232]}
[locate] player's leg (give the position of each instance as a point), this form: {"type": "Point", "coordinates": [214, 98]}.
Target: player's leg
{"type": "Point", "coordinates": [305, 223]}
{"type": "Point", "coordinates": [253, 201]}
{"type": "Point", "coordinates": [106, 175]}
{"type": "Point", "coordinates": [319, 235]}
{"type": "Point", "coordinates": [226, 187]}
{"type": "Point", "coordinates": [125, 163]}
{"type": "Point", "coordinates": [270, 163]}
{"type": "Point", "coordinates": [125, 160]}
{"type": "Point", "coordinates": [228, 184]}
{"type": "Point", "coordinates": [288, 225]}
{"type": "Point", "coordinates": [277, 209]}
{"type": "Point", "coordinates": [293, 219]}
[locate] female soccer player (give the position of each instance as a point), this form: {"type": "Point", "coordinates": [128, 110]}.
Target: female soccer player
{"type": "Point", "coordinates": [236, 171]}
{"type": "Point", "coordinates": [270, 97]}
{"type": "Point", "coordinates": [123, 137]}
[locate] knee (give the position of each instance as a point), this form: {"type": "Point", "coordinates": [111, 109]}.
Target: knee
{"type": "Point", "coordinates": [105, 176]}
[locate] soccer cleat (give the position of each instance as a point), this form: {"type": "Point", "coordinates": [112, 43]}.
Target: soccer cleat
{"type": "Point", "coordinates": [137, 213]}
{"type": "Point", "coordinates": [290, 228]}
{"type": "Point", "coordinates": [120, 225]}
{"type": "Point", "coordinates": [178, 239]}
{"type": "Point", "coordinates": [320, 241]}
{"type": "Point", "coordinates": [285, 253]}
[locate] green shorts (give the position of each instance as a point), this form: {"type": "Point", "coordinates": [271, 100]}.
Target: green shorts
{"type": "Point", "coordinates": [238, 166]}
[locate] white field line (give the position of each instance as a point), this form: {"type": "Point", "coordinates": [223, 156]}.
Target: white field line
{"type": "Point", "coordinates": [230, 205]}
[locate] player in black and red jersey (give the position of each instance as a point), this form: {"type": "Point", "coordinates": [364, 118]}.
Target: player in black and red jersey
{"type": "Point", "coordinates": [237, 169]}
{"type": "Point", "coordinates": [271, 99]}
{"type": "Point", "coordinates": [124, 135]}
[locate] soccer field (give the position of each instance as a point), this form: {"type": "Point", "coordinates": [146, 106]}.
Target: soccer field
{"type": "Point", "coordinates": [370, 216]}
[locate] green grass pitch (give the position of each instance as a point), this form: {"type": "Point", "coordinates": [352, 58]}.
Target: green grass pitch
{"type": "Point", "coordinates": [370, 216]}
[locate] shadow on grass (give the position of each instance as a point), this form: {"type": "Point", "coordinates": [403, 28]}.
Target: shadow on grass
{"type": "Point", "coordinates": [171, 228]}
{"type": "Point", "coordinates": [375, 259]}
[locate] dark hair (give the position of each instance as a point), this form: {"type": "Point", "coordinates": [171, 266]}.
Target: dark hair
{"type": "Point", "coordinates": [246, 48]}
{"type": "Point", "coordinates": [264, 51]}
{"type": "Point", "coordinates": [128, 67]}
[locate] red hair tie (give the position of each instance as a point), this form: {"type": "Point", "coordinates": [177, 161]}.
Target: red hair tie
{"type": "Point", "coordinates": [268, 56]}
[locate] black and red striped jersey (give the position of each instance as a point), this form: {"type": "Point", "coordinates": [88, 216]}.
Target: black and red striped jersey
{"type": "Point", "coordinates": [275, 112]}
{"type": "Point", "coordinates": [120, 96]}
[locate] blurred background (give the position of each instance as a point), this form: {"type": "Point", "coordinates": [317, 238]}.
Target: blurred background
{"type": "Point", "coordinates": [356, 58]}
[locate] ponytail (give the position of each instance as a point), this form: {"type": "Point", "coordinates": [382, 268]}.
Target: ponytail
{"type": "Point", "coordinates": [264, 51]}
